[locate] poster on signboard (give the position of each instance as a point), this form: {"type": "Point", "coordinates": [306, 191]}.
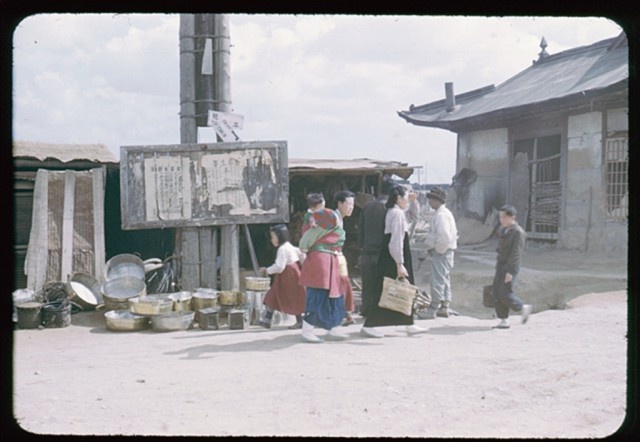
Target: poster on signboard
{"type": "Point", "coordinates": [204, 184]}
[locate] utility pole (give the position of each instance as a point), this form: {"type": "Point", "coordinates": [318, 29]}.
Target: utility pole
{"type": "Point", "coordinates": [230, 245]}
{"type": "Point", "coordinates": [205, 85]}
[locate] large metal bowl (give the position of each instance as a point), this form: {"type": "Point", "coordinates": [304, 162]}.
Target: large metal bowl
{"type": "Point", "coordinates": [151, 305]}
{"type": "Point", "coordinates": [84, 290]}
{"type": "Point", "coordinates": [124, 265]}
{"type": "Point", "coordinates": [121, 289]}
{"type": "Point", "coordinates": [124, 320]}
{"type": "Point", "coordinates": [173, 321]}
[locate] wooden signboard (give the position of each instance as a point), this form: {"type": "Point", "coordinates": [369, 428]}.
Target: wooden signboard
{"type": "Point", "coordinates": [187, 185]}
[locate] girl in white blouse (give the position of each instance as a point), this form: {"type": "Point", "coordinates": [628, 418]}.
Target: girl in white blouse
{"type": "Point", "coordinates": [284, 295]}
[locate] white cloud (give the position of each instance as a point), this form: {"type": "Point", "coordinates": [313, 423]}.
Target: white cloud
{"type": "Point", "coordinates": [329, 85]}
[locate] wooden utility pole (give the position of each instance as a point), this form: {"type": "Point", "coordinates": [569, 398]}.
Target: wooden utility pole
{"type": "Point", "coordinates": [205, 85]}
{"type": "Point", "coordinates": [230, 245]}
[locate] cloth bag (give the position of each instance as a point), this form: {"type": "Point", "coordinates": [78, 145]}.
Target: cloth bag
{"type": "Point", "coordinates": [398, 295]}
{"type": "Point", "coordinates": [343, 270]}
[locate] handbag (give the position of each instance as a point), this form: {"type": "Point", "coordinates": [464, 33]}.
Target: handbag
{"type": "Point", "coordinates": [487, 296]}
{"type": "Point", "coordinates": [398, 295]}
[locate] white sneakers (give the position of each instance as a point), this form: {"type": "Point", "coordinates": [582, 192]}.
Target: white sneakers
{"type": "Point", "coordinates": [308, 335]}
{"type": "Point", "coordinates": [415, 329]}
{"type": "Point", "coordinates": [525, 312]}
{"type": "Point", "coordinates": [371, 332]}
{"type": "Point", "coordinates": [335, 333]}
{"type": "Point", "coordinates": [503, 324]}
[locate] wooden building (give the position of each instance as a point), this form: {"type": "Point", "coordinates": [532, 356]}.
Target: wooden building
{"type": "Point", "coordinates": [362, 176]}
{"type": "Point", "coordinates": [552, 140]}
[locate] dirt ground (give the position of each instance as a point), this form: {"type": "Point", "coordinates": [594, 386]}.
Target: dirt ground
{"type": "Point", "coordinates": [561, 375]}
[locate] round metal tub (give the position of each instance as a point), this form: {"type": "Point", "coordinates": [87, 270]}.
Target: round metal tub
{"type": "Point", "coordinates": [151, 305]}
{"type": "Point", "coordinates": [181, 300]}
{"type": "Point", "coordinates": [230, 297]}
{"type": "Point", "coordinates": [173, 321]}
{"type": "Point", "coordinates": [124, 288]}
{"type": "Point", "coordinates": [124, 265]}
{"type": "Point", "coordinates": [124, 320]}
{"type": "Point", "coordinates": [204, 298]}
{"type": "Point", "coordinates": [84, 291]}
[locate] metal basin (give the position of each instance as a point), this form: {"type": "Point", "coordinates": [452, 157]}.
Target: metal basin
{"type": "Point", "coordinates": [124, 320]}
{"type": "Point", "coordinates": [151, 305]}
{"type": "Point", "coordinates": [173, 321]}
{"type": "Point", "coordinates": [84, 290]}
{"type": "Point", "coordinates": [230, 297]}
{"type": "Point", "coordinates": [122, 289]}
{"type": "Point", "coordinates": [181, 300]}
{"type": "Point", "coordinates": [124, 265]}
{"type": "Point", "coordinates": [204, 298]}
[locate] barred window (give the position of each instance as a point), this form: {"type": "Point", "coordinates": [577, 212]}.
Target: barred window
{"type": "Point", "coordinates": [616, 177]}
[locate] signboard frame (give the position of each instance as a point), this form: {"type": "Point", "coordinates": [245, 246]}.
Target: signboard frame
{"type": "Point", "coordinates": [204, 184]}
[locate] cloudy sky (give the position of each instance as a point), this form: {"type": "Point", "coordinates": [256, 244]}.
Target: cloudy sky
{"type": "Point", "coordinates": [328, 85]}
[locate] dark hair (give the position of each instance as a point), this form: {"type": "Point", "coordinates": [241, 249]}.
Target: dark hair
{"type": "Point", "coordinates": [509, 210]}
{"type": "Point", "coordinates": [387, 185]}
{"type": "Point", "coordinates": [315, 198]}
{"type": "Point", "coordinates": [342, 195]}
{"type": "Point", "coordinates": [282, 233]}
{"type": "Point", "coordinates": [397, 191]}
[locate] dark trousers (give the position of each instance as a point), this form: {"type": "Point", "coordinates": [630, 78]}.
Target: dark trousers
{"type": "Point", "coordinates": [503, 295]}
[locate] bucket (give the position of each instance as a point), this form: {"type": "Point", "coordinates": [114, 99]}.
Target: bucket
{"type": "Point", "coordinates": [56, 314]}
{"type": "Point", "coordinates": [29, 314]}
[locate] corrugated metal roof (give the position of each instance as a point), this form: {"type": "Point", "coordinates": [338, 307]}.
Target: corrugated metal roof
{"type": "Point", "coordinates": [298, 165]}
{"type": "Point", "coordinates": [568, 73]}
{"type": "Point", "coordinates": [64, 153]}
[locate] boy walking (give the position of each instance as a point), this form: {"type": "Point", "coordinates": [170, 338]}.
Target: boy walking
{"type": "Point", "coordinates": [510, 249]}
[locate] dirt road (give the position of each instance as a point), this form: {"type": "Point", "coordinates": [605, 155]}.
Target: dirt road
{"type": "Point", "coordinates": [561, 375]}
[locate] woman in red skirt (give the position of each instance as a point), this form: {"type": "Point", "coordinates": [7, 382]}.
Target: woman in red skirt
{"type": "Point", "coordinates": [285, 295]}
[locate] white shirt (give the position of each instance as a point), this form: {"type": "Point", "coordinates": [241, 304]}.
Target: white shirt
{"type": "Point", "coordinates": [396, 224]}
{"type": "Point", "coordinates": [443, 232]}
{"type": "Point", "coordinates": [286, 254]}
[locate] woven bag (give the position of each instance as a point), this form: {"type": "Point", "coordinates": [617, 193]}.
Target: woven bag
{"type": "Point", "coordinates": [398, 295]}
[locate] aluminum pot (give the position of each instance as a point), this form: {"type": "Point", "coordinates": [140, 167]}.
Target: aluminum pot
{"type": "Point", "coordinates": [173, 321]}
{"type": "Point", "coordinates": [124, 320]}
{"type": "Point", "coordinates": [84, 290]}
{"type": "Point", "coordinates": [204, 298]}
{"type": "Point", "coordinates": [124, 265]}
{"type": "Point", "coordinates": [121, 289]}
{"type": "Point", "coordinates": [151, 305]}
{"type": "Point", "coordinates": [181, 300]}
{"type": "Point", "coordinates": [230, 297]}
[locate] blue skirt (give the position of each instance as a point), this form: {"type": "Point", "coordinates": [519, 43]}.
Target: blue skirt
{"type": "Point", "coordinates": [323, 311]}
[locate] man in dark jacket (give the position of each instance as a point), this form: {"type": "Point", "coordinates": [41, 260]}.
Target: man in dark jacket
{"type": "Point", "coordinates": [510, 249]}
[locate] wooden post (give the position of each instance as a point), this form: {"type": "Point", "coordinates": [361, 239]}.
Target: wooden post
{"type": "Point", "coordinates": [197, 246]}
{"type": "Point", "coordinates": [230, 245]}
{"type": "Point", "coordinates": [66, 263]}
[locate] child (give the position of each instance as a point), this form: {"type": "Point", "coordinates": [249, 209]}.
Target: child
{"type": "Point", "coordinates": [285, 295]}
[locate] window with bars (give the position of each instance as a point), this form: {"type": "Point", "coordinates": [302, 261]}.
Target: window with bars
{"type": "Point", "coordinates": [616, 177]}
